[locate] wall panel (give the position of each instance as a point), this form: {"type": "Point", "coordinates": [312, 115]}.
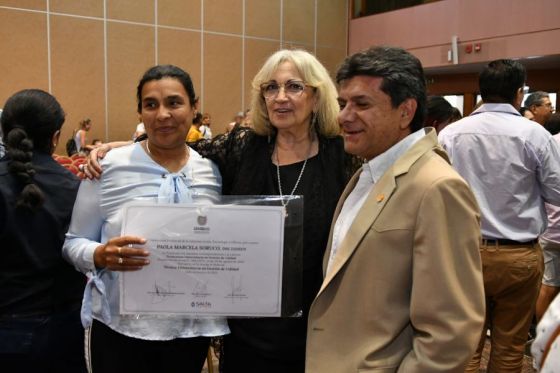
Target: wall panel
{"type": "Point", "coordinates": [299, 21]}
{"type": "Point", "coordinates": [131, 10]}
{"type": "Point", "coordinates": [222, 79]}
{"type": "Point", "coordinates": [261, 19]}
{"type": "Point", "coordinates": [25, 4]}
{"type": "Point", "coordinates": [24, 52]}
{"type": "Point", "coordinates": [88, 8]}
{"type": "Point", "coordinates": [130, 52]}
{"type": "Point", "coordinates": [224, 16]}
{"type": "Point", "coordinates": [181, 48]}
{"type": "Point", "coordinates": [78, 73]}
{"type": "Point", "coordinates": [179, 13]}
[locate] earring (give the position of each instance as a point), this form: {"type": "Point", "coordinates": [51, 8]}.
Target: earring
{"type": "Point", "coordinates": [314, 122]}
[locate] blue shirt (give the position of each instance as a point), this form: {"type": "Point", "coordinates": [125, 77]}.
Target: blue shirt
{"type": "Point", "coordinates": [512, 165]}
{"type": "Point", "coordinates": [130, 174]}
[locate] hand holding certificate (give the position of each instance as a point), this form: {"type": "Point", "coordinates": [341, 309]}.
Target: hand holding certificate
{"type": "Point", "coordinates": [206, 260]}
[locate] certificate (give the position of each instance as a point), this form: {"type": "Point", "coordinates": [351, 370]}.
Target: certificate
{"type": "Point", "coordinates": [205, 260]}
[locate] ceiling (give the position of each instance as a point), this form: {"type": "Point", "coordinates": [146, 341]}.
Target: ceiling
{"type": "Point", "coordinates": [530, 63]}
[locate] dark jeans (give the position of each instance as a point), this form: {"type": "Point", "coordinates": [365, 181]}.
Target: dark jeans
{"type": "Point", "coordinates": [113, 352]}
{"type": "Point", "coordinates": [53, 343]}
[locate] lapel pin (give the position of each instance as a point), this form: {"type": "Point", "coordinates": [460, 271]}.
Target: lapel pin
{"type": "Point", "coordinates": [380, 197]}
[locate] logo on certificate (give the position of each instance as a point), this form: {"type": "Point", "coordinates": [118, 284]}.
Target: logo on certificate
{"type": "Point", "coordinates": [201, 220]}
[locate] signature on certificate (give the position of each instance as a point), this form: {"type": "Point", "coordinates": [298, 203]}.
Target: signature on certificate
{"type": "Point", "coordinates": [237, 290]}
{"type": "Point", "coordinates": [161, 292]}
{"type": "Point", "coordinates": [200, 289]}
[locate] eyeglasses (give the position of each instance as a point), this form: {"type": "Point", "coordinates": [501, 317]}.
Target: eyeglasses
{"type": "Point", "coordinates": [292, 88]}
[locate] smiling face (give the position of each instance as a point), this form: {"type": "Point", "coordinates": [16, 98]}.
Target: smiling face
{"type": "Point", "coordinates": [290, 111]}
{"type": "Point", "coordinates": [369, 123]}
{"type": "Point", "coordinates": [166, 113]}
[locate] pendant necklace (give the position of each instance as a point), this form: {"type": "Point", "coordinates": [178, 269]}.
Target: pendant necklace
{"type": "Point", "coordinates": [285, 204]}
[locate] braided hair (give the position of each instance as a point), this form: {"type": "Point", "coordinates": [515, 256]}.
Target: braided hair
{"type": "Point", "coordinates": [29, 121]}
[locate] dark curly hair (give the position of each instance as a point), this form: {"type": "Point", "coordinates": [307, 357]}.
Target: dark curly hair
{"type": "Point", "coordinates": [29, 121]}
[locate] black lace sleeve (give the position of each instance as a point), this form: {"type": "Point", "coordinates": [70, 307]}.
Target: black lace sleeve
{"type": "Point", "coordinates": [226, 149]}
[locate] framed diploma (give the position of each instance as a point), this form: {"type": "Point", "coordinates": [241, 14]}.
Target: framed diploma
{"type": "Point", "coordinates": [206, 260]}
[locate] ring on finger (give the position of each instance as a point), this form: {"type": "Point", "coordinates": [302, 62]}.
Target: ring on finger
{"type": "Point", "coordinates": [121, 260]}
{"type": "Point", "coordinates": [119, 250]}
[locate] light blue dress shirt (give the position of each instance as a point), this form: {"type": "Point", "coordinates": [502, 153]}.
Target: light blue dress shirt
{"type": "Point", "coordinates": [512, 165]}
{"type": "Point", "coordinates": [130, 174]}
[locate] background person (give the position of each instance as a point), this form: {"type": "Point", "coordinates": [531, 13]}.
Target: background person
{"type": "Point", "coordinates": [440, 113]}
{"type": "Point", "coordinates": [540, 105]}
{"type": "Point", "coordinates": [205, 127]}
{"type": "Point", "coordinates": [80, 138]}
{"type": "Point", "coordinates": [194, 132]}
{"type": "Point", "coordinates": [513, 167]}
{"type": "Point", "coordinates": [550, 240]}
{"type": "Point", "coordinates": [40, 293]}
{"type": "Point", "coordinates": [237, 121]}
{"type": "Point", "coordinates": [161, 168]}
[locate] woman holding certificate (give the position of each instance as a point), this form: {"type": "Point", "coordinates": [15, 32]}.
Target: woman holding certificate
{"type": "Point", "coordinates": [160, 168]}
{"type": "Point", "coordinates": [294, 148]}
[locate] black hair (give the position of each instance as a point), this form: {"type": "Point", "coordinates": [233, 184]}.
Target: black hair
{"type": "Point", "coordinates": [500, 80]}
{"type": "Point", "coordinates": [456, 114]}
{"type": "Point", "coordinates": [552, 125]}
{"type": "Point", "coordinates": [29, 121]}
{"type": "Point", "coordinates": [523, 110]}
{"type": "Point", "coordinates": [402, 73]}
{"type": "Point", "coordinates": [197, 119]}
{"type": "Point", "coordinates": [439, 110]}
{"type": "Point", "coordinates": [166, 71]}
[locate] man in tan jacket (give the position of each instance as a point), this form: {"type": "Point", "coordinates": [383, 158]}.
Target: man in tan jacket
{"type": "Point", "coordinates": [403, 286]}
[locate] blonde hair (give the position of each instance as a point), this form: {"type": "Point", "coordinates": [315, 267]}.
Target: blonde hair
{"type": "Point", "coordinates": [314, 74]}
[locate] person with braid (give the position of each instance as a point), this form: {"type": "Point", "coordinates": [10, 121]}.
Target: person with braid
{"type": "Point", "coordinates": [40, 293]}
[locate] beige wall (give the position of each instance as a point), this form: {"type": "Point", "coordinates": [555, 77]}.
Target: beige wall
{"type": "Point", "coordinates": [91, 53]}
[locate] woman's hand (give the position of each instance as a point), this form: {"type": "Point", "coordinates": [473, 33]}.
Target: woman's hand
{"type": "Point", "coordinates": [92, 169]}
{"type": "Point", "coordinates": [119, 255]}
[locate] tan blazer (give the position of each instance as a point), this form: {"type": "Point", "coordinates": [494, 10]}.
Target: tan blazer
{"type": "Point", "coordinates": [405, 290]}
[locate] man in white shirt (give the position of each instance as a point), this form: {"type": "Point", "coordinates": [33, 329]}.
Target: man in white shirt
{"type": "Point", "coordinates": [513, 167]}
{"type": "Point", "coordinates": [403, 284]}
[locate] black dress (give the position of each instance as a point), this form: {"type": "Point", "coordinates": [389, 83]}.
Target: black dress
{"type": "Point", "coordinates": [244, 160]}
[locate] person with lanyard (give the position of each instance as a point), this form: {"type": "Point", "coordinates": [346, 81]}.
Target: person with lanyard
{"type": "Point", "coordinates": [161, 168]}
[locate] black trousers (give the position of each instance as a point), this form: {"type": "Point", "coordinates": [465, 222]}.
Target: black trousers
{"type": "Point", "coordinates": [47, 344]}
{"type": "Point", "coordinates": [110, 352]}
{"type": "Point", "coordinates": [238, 357]}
